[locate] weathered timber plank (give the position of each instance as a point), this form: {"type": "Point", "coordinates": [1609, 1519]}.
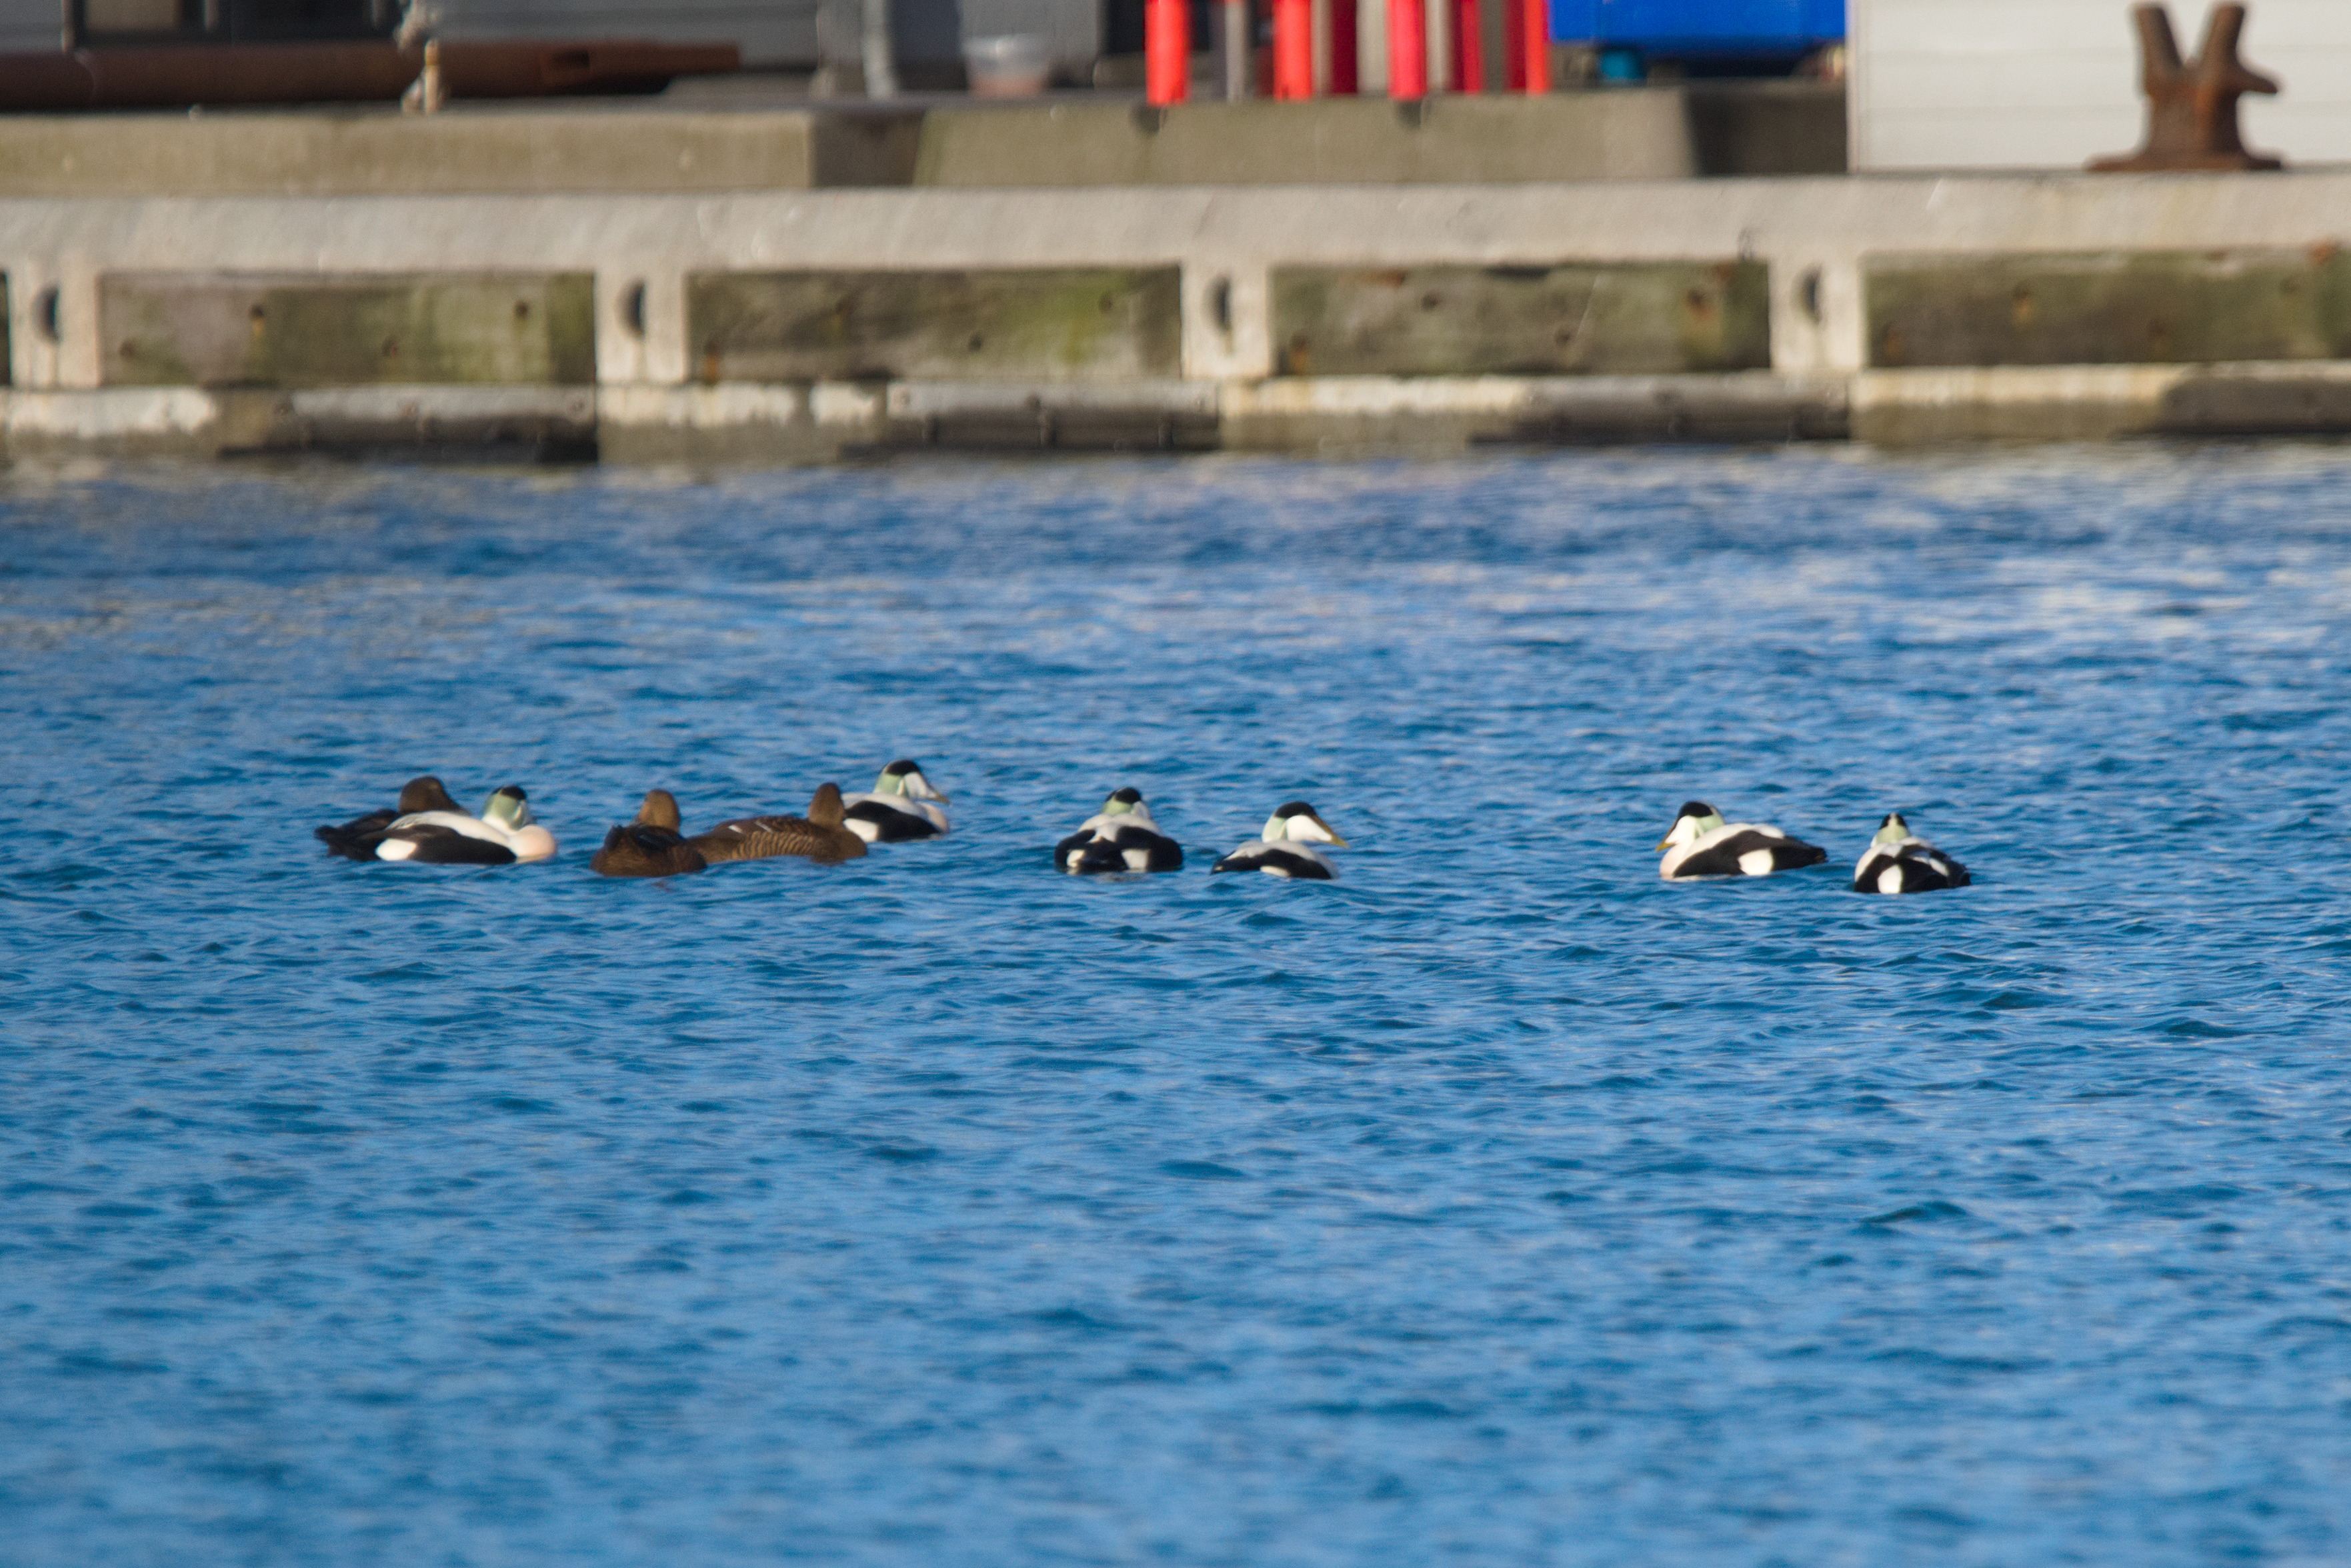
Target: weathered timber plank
{"type": "Point", "coordinates": [2147, 308]}
{"type": "Point", "coordinates": [1047, 324]}
{"type": "Point", "coordinates": [1615, 319]}
{"type": "Point", "coordinates": [166, 328]}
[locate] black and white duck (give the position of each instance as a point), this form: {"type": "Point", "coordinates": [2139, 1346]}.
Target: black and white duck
{"type": "Point", "coordinates": [1286, 847]}
{"type": "Point", "coordinates": [1121, 836]}
{"type": "Point", "coordinates": [902, 805]}
{"type": "Point", "coordinates": [503, 834]}
{"type": "Point", "coordinates": [357, 839]}
{"type": "Point", "coordinates": [1701, 843]}
{"type": "Point", "coordinates": [820, 836]}
{"type": "Point", "coordinates": [1898, 860]}
{"type": "Point", "coordinates": [650, 846]}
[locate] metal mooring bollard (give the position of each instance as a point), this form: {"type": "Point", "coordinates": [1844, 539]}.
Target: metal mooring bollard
{"type": "Point", "coordinates": [2192, 108]}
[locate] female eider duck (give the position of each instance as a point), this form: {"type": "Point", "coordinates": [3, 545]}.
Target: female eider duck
{"type": "Point", "coordinates": [1121, 836]}
{"type": "Point", "coordinates": [818, 836]}
{"type": "Point", "coordinates": [898, 808]}
{"type": "Point", "coordinates": [1702, 844]}
{"type": "Point", "coordinates": [650, 846]}
{"type": "Point", "coordinates": [1286, 847]}
{"type": "Point", "coordinates": [1898, 862]}
{"type": "Point", "coordinates": [503, 834]}
{"type": "Point", "coordinates": [357, 839]}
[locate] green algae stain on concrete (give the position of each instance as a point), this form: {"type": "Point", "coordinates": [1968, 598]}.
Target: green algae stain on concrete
{"type": "Point", "coordinates": [2146, 308]}
{"type": "Point", "coordinates": [1047, 324]}
{"type": "Point", "coordinates": [1617, 319]}
{"type": "Point", "coordinates": [219, 330]}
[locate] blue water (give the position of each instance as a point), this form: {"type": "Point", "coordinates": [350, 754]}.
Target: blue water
{"type": "Point", "coordinates": [1496, 1204]}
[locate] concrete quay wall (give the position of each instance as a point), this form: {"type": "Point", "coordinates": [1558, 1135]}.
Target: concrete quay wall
{"type": "Point", "coordinates": [801, 324]}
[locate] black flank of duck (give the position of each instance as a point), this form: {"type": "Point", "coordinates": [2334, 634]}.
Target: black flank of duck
{"type": "Point", "coordinates": [357, 839]}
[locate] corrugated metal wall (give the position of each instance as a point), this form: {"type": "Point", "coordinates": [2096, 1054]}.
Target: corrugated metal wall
{"type": "Point", "coordinates": [31, 24]}
{"type": "Point", "coordinates": [2050, 84]}
{"type": "Point", "coordinates": [771, 32]}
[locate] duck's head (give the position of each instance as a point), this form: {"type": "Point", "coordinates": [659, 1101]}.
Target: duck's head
{"type": "Point", "coordinates": [1128, 802]}
{"type": "Point", "coordinates": [824, 807]}
{"type": "Point", "coordinates": [660, 811]}
{"type": "Point", "coordinates": [1300, 822]}
{"type": "Point", "coordinates": [507, 807]}
{"type": "Point", "coordinates": [904, 777]}
{"type": "Point", "coordinates": [1892, 831]}
{"type": "Point", "coordinates": [425, 793]}
{"type": "Point", "coordinates": [1696, 821]}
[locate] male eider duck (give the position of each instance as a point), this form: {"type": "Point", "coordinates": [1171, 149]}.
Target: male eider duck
{"type": "Point", "coordinates": [650, 846]}
{"type": "Point", "coordinates": [357, 839]}
{"type": "Point", "coordinates": [1121, 836]}
{"type": "Point", "coordinates": [897, 809]}
{"type": "Point", "coordinates": [818, 836]}
{"type": "Point", "coordinates": [1702, 844]}
{"type": "Point", "coordinates": [503, 834]}
{"type": "Point", "coordinates": [1286, 847]}
{"type": "Point", "coordinates": [1898, 862]}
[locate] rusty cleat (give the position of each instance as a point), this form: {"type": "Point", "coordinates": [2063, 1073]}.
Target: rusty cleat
{"type": "Point", "coordinates": [2192, 108]}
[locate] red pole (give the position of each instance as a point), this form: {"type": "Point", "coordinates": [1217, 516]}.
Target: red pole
{"type": "Point", "coordinates": [1346, 76]}
{"type": "Point", "coordinates": [1533, 35]}
{"type": "Point", "coordinates": [1293, 49]}
{"type": "Point", "coordinates": [1407, 48]}
{"type": "Point", "coordinates": [1167, 50]}
{"type": "Point", "coordinates": [1468, 48]}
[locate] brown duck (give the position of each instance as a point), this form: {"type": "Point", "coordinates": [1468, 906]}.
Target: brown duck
{"type": "Point", "coordinates": [650, 846]}
{"type": "Point", "coordinates": [357, 839]}
{"type": "Point", "coordinates": [818, 836]}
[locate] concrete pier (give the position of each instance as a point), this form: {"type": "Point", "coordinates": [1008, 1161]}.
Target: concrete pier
{"type": "Point", "coordinates": [803, 325]}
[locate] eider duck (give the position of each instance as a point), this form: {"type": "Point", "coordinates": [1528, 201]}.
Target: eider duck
{"type": "Point", "coordinates": [1702, 844]}
{"type": "Point", "coordinates": [1121, 836]}
{"type": "Point", "coordinates": [898, 808]}
{"type": "Point", "coordinates": [818, 836]}
{"type": "Point", "coordinates": [1898, 862]}
{"type": "Point", "coordinates": [1286, 847]}
{"type": "Point", "coordinates": [503, 834]}
{"type": "Point", "coordinates": [650, 846]}
{"type": "Point", "coordinates": [357, 839]}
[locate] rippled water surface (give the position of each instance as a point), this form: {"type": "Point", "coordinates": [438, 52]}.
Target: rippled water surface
{"type": "Point", "coordinates": [1496, 1204]}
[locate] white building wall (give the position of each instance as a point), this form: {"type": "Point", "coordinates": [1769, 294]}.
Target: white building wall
{"type": "Point", "coordinates": [2051, 84]}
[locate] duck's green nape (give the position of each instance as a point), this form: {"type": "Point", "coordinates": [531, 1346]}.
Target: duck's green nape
{"type": "Point", "coordinates": [506, 808]}
{"type": "Point", "coordinates": [890, 783]}
{"type": "Point", "coordinates": [1894, 830]}
{"type": "Point", "coordinates": [1115, 807]}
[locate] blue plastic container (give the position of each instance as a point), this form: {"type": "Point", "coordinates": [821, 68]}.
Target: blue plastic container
{"type": "Point", "coordinates": [1687, 28]}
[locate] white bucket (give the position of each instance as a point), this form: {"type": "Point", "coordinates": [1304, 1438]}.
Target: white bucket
{"type": "Point", "coordinates": [1013, 65]}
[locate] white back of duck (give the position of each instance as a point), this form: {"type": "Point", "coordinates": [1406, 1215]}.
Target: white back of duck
{"type": "Point", "coordinates": [1898, 860]}
{"type": "Point", "coordinates": [901, 806]}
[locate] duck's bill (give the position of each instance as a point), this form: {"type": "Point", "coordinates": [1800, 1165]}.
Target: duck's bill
{"type": "Point", "coordinates": [1665, 844]}
{"type": "Point", "coordinates": [1337, 841]}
